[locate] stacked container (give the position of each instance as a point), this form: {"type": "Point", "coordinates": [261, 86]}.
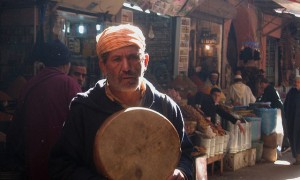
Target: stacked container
{"type": "Point", "coordinates": [205, 142]}
{"type": "Point", "coordinates": [212, 147]}
{"type": "Point", "coordinates": [233, 137]}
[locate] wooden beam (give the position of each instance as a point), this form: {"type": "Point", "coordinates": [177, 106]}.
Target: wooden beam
{"type": "Point", "coordinates": [274, 29]}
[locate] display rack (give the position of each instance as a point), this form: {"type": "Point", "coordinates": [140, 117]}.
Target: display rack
{"type": "Point", "coordinates": [182, 46]}
{"type": "Point", "coordinates": [271, 59]}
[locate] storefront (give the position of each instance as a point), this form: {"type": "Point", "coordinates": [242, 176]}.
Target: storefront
{"type": "Point", "coordinates": [182, 40]}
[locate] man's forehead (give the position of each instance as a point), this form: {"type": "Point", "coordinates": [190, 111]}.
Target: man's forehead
{"type": "Point", "coordinates": [125, 50]}
{"type": "Point", "coordinates": [79, 68]}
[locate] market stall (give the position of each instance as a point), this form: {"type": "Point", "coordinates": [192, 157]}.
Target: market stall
{"type": "Point", "coordinates": [229, 146]}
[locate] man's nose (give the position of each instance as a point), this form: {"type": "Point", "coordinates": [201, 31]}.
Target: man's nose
{"type": "Point", "coordinates": [81, 77]}
{"type": "Point", "coordinates": [125, 63]}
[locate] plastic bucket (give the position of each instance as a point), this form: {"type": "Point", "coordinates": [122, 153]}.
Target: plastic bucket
{"type": "Point", "coordinates": [255, 129]}
{"type": "Point", "coordinates": [212, 147]}
{"type": "Point", "coordinates": [233, 137]}
{"type": "Point", "coordinates": [221, 144]}
{"type": "Point", "coordinates": [226, 142]}
{"type": "Point", "coordinates": [268, 119]}
{"type": "Point", "coordinates": [205, 143]}
{"type": "Point", "coordinates": [217, 147]}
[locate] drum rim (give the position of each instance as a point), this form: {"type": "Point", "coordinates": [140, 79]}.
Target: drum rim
{"type": "Point", "coordinates": [99, 164]}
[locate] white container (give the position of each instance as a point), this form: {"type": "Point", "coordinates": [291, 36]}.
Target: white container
{"type": "Point", "coordinates": [222, 144]}
{"type": "Point", "coordinates": [226, 143]}
{"type": "Point", "coordinates": [241, 139]}
{"type": "Point", "coordinates": [212, 147]}
{"type": "Point", "coordinates": [205, 142]}
{"type": "Point", "coordinates": [233, 137]}
{"type": "Point", "coordinates": [217, 146]}
{"type": "Point", "coordinates": [248, 135]}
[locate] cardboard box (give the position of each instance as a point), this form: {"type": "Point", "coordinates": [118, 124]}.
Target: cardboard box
{"type": "Point", "coordinates": [235, 161]}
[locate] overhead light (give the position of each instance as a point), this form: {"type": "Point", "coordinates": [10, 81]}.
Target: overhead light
{"type": "Point", "coordinates": [98, 27]}
{"type": "Point", "coordinates": [132, 6]}
{"type": "Point", "coordinates": [285, 10]}
{"type": "Point", "coordinates": [81, 29]}
{"type": "Point", "coordinates": [135, 7]}
{"type": "Point", "coordinates": [280, 10]}
{"type": "Point", "coordinates": [207, 47]}
{"type": "Point", "coordinates": [64, 28]}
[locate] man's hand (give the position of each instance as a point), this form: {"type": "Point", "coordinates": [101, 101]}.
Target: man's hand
{"type": "Point", "coordinates": [241, 127]}
{"type": "Point", "coordinates": [177, 175]}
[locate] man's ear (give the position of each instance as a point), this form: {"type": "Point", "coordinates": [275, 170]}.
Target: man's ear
{"type": "Point", "coordinates": [102, 67]}
{"type": "Point", "coordinates": [146, 61]}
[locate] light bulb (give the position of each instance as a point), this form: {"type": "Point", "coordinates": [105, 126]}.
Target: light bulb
{"type": "Point", "coordinates": [81, 29]}
{"type": "Point", "coordinates": [207, 47]}
{"type": "Point", "coordinates": [98, 27]}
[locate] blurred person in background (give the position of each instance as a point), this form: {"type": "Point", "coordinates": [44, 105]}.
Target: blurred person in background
{"type": "Point", "coordinates": [240, 94]}
{"type": "Point", "coordinates": [270, 94]}
{"type": "Point", "coordinates": [41, 111]}
{"type": "Point", "coordinates": [212, 82]}
{"type": "Point", "coordinates": [78, 71]}
{"type": "Point", "coordinates": [212, 108]}
{"type": "Point", "coordinates": [292, 114]}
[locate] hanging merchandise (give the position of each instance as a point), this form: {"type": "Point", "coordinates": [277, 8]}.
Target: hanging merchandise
{"type": "Point", "coordinates": [246, 54]}
{"type": "Point", "coordinates": [256, 54]}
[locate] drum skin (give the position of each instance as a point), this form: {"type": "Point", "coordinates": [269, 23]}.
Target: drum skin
{"type": "Point", "coordinates": [137, 143]}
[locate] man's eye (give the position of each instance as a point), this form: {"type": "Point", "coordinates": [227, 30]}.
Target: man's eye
{"type": "Point", "coordinates": [134, 57]}
{"type": "Point", "coordinates": [76, 73]}
{"type": "Point", "coordinates": [117, 59]}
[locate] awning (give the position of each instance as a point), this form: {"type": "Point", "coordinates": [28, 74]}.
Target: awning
{"type": "Point", "coordinates": [93, 6]}
{"type": "Point", "coordinates": [167, 7]}
{"type": "Point", "coordinates": [291, 6]}
{"type": "Point", "coordinates": [214, 11]}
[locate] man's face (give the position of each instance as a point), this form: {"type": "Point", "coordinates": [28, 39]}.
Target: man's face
{"type": "Point", "coordinates": [213, 79]}
{"type": "Point", "coordinates": [263, 86]}
{"type": "Point", "coordinates": [79, 74]}
{"type": "Point", "coordinates": [124, 68]}
{"type": "Point", "coordinates": [216, 97]}
{"type": "Point", "coordinates": [297, 84]}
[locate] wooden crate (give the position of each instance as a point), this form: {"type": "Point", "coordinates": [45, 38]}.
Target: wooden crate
{"type": "Point", "coordinates": [235, 161]}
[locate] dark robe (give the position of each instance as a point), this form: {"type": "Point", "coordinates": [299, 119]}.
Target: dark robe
{"type": "Point", "coordinates": [292, 114]}
{"type": "Point", "coordinates": [271, 95]}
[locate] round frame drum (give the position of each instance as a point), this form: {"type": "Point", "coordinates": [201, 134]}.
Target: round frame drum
{"type": "Point", "coordinates": [137, 143]}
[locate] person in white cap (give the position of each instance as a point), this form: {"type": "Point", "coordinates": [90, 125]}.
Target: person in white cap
{"type": "Point", "coordinates": [239, 93]}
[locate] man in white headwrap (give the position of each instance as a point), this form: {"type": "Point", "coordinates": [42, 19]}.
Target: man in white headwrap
{"type": "Point", "coordinates": [123, 62]}
{"type": "Point", "coordinates": [239, 93]}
